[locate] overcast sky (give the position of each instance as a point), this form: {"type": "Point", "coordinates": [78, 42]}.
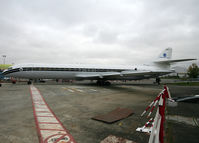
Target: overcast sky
{"type": "Point", "coordinates": [97, 31]}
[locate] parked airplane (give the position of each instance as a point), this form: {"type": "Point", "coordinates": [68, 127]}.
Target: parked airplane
{"type": "Point", "coordinates": [92, 72]}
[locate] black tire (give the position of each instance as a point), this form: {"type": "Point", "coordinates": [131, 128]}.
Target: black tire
{"type": "Point", "coordinates": [29, 82]}
{"type": "Point", "coordinates": [99, 83]}
{"type": "Point", "coordinates": [107, 83]}
{"type": "Point", "coordinates": [103, 83]}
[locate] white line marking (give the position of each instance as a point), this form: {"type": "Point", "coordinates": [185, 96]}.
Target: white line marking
{"type": "Point", "coordinates": [79, 90]}
{"type": "Point", "coordinates": [93, 90]}
{"type": "Point", "coordinates": [70, 90]}
{"type": "Point", "coordinates": [49, 127]}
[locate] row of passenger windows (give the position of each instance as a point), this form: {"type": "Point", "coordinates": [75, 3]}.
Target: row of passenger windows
{"type": "Point", "coordinates": [71, 69]}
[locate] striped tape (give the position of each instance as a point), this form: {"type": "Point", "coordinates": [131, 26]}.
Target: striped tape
{"type": "Point", "coordinates": [149, 123]}
{"type": "Point", "coordinates": [152, 103]}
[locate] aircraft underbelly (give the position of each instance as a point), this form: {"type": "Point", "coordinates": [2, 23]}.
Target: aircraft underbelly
{"type": "Point", "coordinates": [130, 78]}
{"type": "Point", "coordinates": [72, 75]}
{"type": "Point", "coordinates": [44, 75]}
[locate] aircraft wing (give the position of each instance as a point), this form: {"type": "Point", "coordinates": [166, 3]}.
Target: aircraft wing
{"type": "Point", "coordinates": [112, 75]}
{"type": "Point", "coordinates": [145, 73]}
{"type": "Point", "coordinates": [97, 75]}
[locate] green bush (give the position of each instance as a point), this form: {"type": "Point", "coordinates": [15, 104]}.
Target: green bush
{"type": "Point", "coordinates": [193, 71]}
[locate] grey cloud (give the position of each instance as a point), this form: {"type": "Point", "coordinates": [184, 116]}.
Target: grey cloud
{"type": "Point", "coordinates": [100, 31]}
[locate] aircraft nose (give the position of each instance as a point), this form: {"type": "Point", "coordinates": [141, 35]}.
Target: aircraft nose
{"type": "Point", "coordinates": [4, 72]}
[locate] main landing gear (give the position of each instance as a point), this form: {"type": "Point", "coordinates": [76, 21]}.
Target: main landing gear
{"type": "Point", "coordinates": [103, 82]}
{"type": "Point", "coordinates": [158, 80]}
{"type": "Point", "coordinates": [29, 82]}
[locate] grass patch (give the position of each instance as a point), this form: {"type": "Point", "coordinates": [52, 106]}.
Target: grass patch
{"type": "Point", "coordinates": [2, 66]}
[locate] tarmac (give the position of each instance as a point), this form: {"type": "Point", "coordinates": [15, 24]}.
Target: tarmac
{"type": "Point", "coordinates": [75, 104]}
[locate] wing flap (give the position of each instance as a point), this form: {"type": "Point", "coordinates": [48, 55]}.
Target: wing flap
{"type": "Point", "coordinates": [96, 75]}
{"type": "Point", "coordinates": [144, 73]}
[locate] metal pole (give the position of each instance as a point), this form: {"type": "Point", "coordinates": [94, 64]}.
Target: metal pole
{"type": "Point", "coordinates": [4, 59]}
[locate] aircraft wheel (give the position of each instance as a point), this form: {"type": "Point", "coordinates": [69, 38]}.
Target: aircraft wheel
{"type": "Point", "coordinates": [29, 82]}
{"type": "Point", "coordinates": [13, 82]}
{"type": "Point", "coordinates": [0, 84]}
{"type": "Point", "coordinates": [107, 83]}
{"type": "Point", "coordinates": [158, 80]}
{"type": "Point", "coordinates": [102, 83]}
{"type": "Point", "coordinates": [99, 82]}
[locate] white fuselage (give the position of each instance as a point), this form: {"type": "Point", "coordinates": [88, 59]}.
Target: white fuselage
{"type": "Point", "coordinates": [43, 71]}
{"type": "Point", "coordinates": [159, 67]}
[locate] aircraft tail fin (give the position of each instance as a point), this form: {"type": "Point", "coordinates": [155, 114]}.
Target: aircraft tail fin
{"type": "Point", "coordinates": [166, 54]}
{"type": "Point", "coordinates": [164, 60]}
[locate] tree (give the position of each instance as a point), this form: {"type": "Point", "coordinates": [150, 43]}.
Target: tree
{"type": "Point", "coordinates": [193, 71]}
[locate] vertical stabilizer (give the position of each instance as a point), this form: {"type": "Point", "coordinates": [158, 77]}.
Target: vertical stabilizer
{"type": "Point", "coordinates": [166, 54]}
{"type": "Point", "coordinates": [164, 59]}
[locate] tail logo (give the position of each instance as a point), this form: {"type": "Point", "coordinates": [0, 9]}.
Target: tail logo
{"type": "Point", "coordinates": [164, 55]}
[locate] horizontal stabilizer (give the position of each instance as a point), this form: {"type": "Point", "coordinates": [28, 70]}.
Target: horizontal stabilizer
{"type": "Point", "coordinates": [173, 61]}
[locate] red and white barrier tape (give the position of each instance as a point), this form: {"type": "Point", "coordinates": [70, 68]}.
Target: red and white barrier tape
{"type": "Point", "coordinates": [157, 128]}
{"type": "Point", "coordinates": [149, 123]}
{"type": "Point", "coordinates": [153, 102]}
